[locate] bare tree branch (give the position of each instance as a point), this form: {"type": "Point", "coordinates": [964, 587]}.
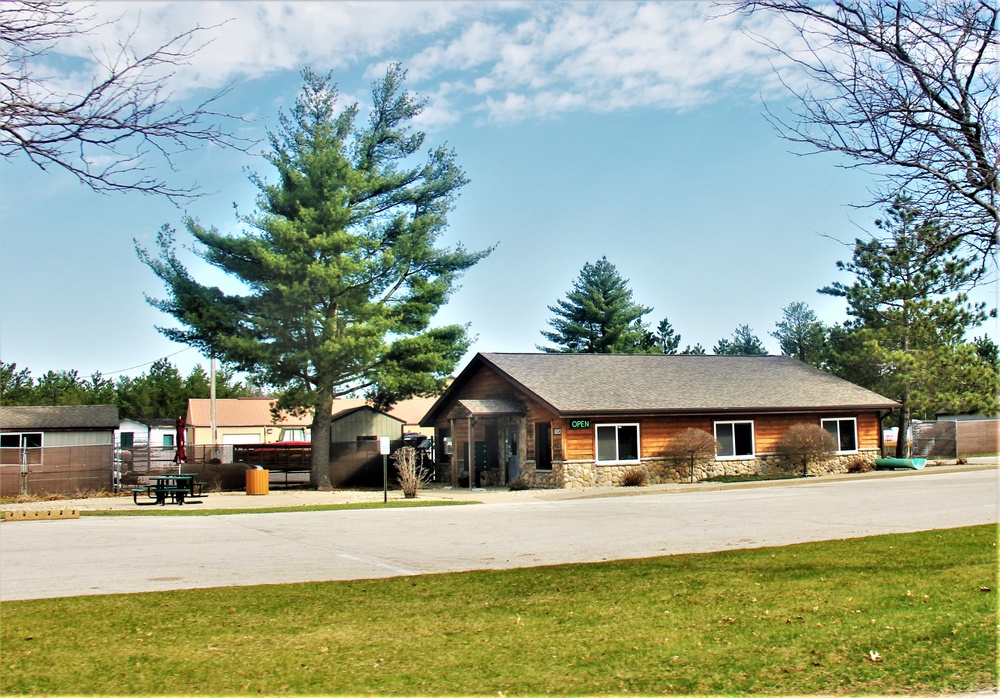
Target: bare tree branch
{"type": "Point", "coordinates": [909, 88]}
{"type": "Point", "coordinates": [115, 135]}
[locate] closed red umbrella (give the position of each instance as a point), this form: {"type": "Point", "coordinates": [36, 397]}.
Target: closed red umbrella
{"type": "Point", "coordinates": [180, 456]}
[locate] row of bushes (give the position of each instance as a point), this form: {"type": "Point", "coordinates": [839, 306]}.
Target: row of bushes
{"type": "Point", "coordinates": [639, 477]}
{"type": "Point", "coordinates": [803, 447]}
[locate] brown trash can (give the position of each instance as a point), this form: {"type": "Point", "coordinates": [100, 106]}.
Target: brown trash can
{"type": "Point", "coordinates": [257, 481]}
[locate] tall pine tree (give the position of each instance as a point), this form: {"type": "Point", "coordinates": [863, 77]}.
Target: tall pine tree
{"type": "Point", "coordinates": [598, 316]}
{"type": "Point", "coordinates": [341, 263]}
{"type": "Point", "coordinates": [665, 340]}
{"type": "Point", "coordinates": [743, 343]}
{"type": "Point", "coordinates": [909, 317]}
{"type": "Point", "coordinates": [801, 334]}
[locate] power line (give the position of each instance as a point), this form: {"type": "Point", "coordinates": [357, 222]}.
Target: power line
{"type": "Point", "coordinates": [111, 373]}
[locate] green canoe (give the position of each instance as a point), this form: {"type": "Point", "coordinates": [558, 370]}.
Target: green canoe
{"type": "Point", "coordinates": [889, 463]}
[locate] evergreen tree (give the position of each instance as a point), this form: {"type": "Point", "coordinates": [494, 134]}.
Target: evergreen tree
{"type": "Point", "coordinates": [16, 385]}
{"type": "Point", "coordinates": [988, 350]}
{"type": "Point", "coordinates": [101, 390]}
{"type": "Point", "coordinates": [800, 334]}
{"type": "Point", "coordinates": [744, 343]}
{"type": "Point", "coordinates": [667, 341]}
{"type": "Point", "coordinates": [341, 264]}
{"type": "Point", "coordinates": [156, 393]}
{"type": "Point", "coordinates": [60, 388]}
{"type": "Point", "coordinates": [228, 385]}
{"type": "Point", "coordinates": [909, 316]}
{"type": "Point", "coordinates": [696, 350]}
{"type": "Point", "coordinates": [598, 316]}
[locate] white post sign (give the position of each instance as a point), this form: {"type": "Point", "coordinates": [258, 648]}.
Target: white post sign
{"type": "Point", "coordinates": [383, 448]}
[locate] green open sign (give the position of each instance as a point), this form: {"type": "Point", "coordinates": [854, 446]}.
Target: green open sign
{"type": "Point", "coordinates": [579, 424]}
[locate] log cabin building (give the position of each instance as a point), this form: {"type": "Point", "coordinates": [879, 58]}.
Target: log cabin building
{"type": "Point", "coordinates": [582, 420]}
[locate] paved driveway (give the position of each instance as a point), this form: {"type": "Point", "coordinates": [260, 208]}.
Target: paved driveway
{"type": "Point", "coordinates": [100, 555]}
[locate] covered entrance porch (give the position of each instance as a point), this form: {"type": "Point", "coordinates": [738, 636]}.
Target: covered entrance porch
{"type": "Point", "coordinates": [493, 432]}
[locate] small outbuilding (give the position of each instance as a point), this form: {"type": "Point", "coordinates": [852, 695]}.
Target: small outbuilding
{"type": "Point", "coordinates": [354, 453]}
{"type": "Point", "coordinates": [580, 420]}
{"type": "Point", "coordinates": [251, 420]}
{"type": "Point", "coordinates": [146, 444]}
{"type": "Point", "coordinates": [147, 433]}
{"type": "Point", "coordinates": [60, 449]}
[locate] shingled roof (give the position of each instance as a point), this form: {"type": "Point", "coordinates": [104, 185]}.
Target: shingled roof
{"type": "Point", "coordinates": [59, 417]}
{"type": "Point", "coordinates": [584, 384]}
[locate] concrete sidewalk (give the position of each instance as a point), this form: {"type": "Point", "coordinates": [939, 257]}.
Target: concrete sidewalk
{"type": "Point", "coordinates": [436, 492]}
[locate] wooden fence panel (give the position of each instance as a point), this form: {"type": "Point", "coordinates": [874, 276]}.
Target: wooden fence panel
{"type": "Point", "coordinates": [933, 440]}
{"type": "Point", "coordinates": [978, 437]}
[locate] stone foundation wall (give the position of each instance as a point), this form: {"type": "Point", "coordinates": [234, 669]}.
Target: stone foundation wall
{"type": "Point", "coordinates": [543, 479]}
{"type": "Point", "coordinates": [584, 474]}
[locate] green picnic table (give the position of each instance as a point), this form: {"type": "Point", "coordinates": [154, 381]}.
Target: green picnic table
{"type": "Point", "coordinates": [179, 488]}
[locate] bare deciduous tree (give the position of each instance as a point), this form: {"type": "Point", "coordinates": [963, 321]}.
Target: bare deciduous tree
{"type": "Point", "coordinates": [112, 134]}
{"type": "Point", "coordinates": [806, 444]}
{"type": "Point", "coordinates": [692, 446]}
{"type": "Point", "coordinates": [909, 88]}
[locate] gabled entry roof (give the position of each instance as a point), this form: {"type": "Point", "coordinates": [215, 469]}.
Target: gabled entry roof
{"type": "Point", "coordinates": [487, 408]}
{"type": "Point", "coordinates": [588, 384]}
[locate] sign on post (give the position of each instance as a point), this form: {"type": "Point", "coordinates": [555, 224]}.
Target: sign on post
{"type": "Point", "coordinates": [383, 448]}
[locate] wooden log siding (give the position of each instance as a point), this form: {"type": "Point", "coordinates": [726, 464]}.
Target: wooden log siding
{"type": "Point", "coordinates": [486, 385]}
{"type": "Point", "coordinates": [656, 433]}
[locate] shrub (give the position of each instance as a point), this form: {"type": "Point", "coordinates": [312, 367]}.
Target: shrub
{"type": "Point", "coordinates": [806, 444]}
{"type": "Point", "coordinates": [634, 477]}
{"type": "Point", "coordinates": [410, 474]}
{"type": "Point", "coordinates": [860, 464]}
{"type": "Point", "coordinates": [692, 446]}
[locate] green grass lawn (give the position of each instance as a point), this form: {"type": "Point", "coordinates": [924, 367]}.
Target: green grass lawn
{"type": "Point", "coordinates": [913, 613]}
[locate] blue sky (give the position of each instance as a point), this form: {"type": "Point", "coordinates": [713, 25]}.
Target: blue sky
{"type": "Point", "coordinates": [631, 131]}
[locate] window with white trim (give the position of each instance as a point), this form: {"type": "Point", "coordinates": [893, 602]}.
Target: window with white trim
{"type": "Point", "coordinates": [844, 431]}
{"type": "Point", "coordinates": [735, 439]}
{"type": "Point", "coordinates": [617, 443]}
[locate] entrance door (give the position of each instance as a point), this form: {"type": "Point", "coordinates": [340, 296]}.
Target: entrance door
{"type": "Point", "coordinates": [482, 460]}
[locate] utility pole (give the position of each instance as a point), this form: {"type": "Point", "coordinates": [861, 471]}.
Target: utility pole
{"type": "Point", "coordinates": [211, 405]}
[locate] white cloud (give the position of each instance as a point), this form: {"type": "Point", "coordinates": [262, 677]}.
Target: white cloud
{"type": "Point", "coordinates": [477, 45]}
{"type": "Point", "coordinates": [503, 61]}
{"type": "Point", "coordinates": [255, 39]}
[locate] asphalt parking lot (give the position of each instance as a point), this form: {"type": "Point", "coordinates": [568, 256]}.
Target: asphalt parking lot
{"type": "Point", "coordinates": [100, 555]}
